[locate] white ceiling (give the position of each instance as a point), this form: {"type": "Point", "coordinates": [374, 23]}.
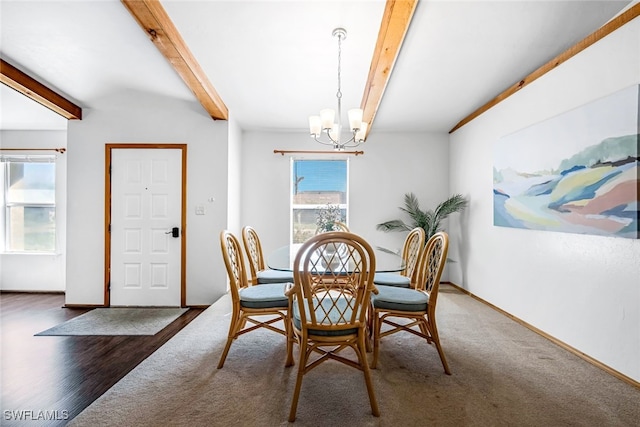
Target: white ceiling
{"type": "Point", "coordinates": [275, 62]}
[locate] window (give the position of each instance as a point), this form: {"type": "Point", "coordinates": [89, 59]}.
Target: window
{"type": "Point", "coordinates": [314, 184]}
{"type": "Point", "coordinates": [28, 199]}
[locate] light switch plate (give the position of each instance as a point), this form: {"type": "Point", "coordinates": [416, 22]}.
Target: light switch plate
{"type": "Point", "coordinates": [200, 210]}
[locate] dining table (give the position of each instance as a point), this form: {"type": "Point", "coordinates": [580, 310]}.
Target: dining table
{"type": "Point", "coordinates": [282, 259]}
{"type": "Point", "coordinates": [387, 261]}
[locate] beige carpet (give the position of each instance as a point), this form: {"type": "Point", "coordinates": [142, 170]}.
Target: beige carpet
{"type": "Point", "coordinates": [503, 375]}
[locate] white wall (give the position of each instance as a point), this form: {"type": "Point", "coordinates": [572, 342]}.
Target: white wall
{"type": "Point", "coordinates": [584, 290]}
{"type": "Point", "coordinates": [393, 164]}
{"type": "Point", "coordinates": [235, 168]}
{"type": "Point", "coordinates": [130, 117]}
{"type": "Point", "coordinates": [39, 272]}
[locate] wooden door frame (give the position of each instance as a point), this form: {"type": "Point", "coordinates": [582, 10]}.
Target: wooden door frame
{"type": "Point", "coordinates": [107, 216]}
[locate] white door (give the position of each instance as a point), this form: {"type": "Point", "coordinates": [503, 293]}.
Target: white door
{"type": "Point", "coordinates": [146, 195]}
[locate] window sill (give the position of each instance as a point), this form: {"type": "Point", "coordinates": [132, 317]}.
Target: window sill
{"type": "Point", "coordinates": [32, 253]}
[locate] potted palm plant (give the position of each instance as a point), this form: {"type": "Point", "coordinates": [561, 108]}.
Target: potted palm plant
{"type": "Point", "coordinates": [429, 220]}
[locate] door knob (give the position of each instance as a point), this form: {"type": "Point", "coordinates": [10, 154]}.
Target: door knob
{"type": "Point", "coordinates": [175, 232]}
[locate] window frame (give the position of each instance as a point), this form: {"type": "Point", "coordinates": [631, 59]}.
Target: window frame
{"type": "Point", "coordinates": [5, 232]}
{"type": "Point", "coordinates": [343, 206]}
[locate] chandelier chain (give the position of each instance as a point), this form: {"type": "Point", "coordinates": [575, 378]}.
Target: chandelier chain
{"type": "Point", "coordinates": [339, 93]}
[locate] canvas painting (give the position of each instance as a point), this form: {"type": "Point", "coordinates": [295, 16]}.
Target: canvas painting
{"type": "Point", "coordinates": [575, 173]}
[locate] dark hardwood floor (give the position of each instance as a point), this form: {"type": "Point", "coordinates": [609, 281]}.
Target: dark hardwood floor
{"type": "Point", "coordinates": [46, 377]}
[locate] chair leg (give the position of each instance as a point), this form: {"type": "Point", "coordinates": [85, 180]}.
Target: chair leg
{"type": "Point", "coordinates": [422, 323]}
{"type": "Point", "coordinates": [377, 324]}
{"type": "Point", "coordinates": [436, 339]}
{"type": "Point", "coordinates": [362, 355]}
{"type": "Point", "coordinates": [242, 323]}
{"type": "Point", "coordinates": [302, 364]}
{"type": "Point", "coordinates": [232, 336]}
{"type": "Point", "coordinates": [289, 335]}
{"type": "Point", "coordinates": [368, 335]}
{"type": "Point", "coordinates": [369, 329]}
{"type": "Point", "coordinates": [223, 357]}
{"type": "Point", "coordinates": [234, 328]}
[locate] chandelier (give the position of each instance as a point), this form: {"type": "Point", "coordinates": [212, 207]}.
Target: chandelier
{"type": "Point", "coordinates": [326, 122]}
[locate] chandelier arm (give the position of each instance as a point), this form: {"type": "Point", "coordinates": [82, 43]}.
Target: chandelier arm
{"type": "Point", "coordinates": [335, 141]}
{"type": "Point", "coordinates": [332, 143]}
{"type": "Point", "coordinates": [355, 144]}
{"type": "Point", "coordinates": [353, 138]}
{"type": "Point", "coordinates": [348, 145]}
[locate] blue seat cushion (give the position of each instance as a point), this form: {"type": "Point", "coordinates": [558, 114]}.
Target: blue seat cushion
{"type": "Point", "coordinates": [274, 276]}
{"type": "Point", "coordinates": [333, 315]}
{"type": "Point", "coordinates": [399, 299]}
{"type": "Point", "coordinates": [392, 279]}
{"type": "Point", "coordinates": [270, 295]}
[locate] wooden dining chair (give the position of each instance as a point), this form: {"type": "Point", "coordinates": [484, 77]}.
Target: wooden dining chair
{"type": "Point", "coordinates": [341, 226]}
{"type": "Point", "coordinates": [417, 305]}
{"type": "Point", "coordinates": [260, 274]}
{"type": "Point", "coordinates": [333, 279]}
{"type": "Point", "coordinates": [252, 303]}
{"type": "Point", "coordinates": [411, 250]}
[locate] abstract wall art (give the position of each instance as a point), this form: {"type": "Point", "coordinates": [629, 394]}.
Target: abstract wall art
{"type": "Point", "coordinates": [576, 173]}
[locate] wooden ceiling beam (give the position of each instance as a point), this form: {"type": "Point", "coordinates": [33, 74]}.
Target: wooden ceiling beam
{"type": "Point", "coordinates": [617, 22]}
{"type": "Point", "coordinates": [155, 21]}
{"type": "Point", "coordinates": [393, 28]}
{"type": "Point", "coordinates": [28, 86]}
